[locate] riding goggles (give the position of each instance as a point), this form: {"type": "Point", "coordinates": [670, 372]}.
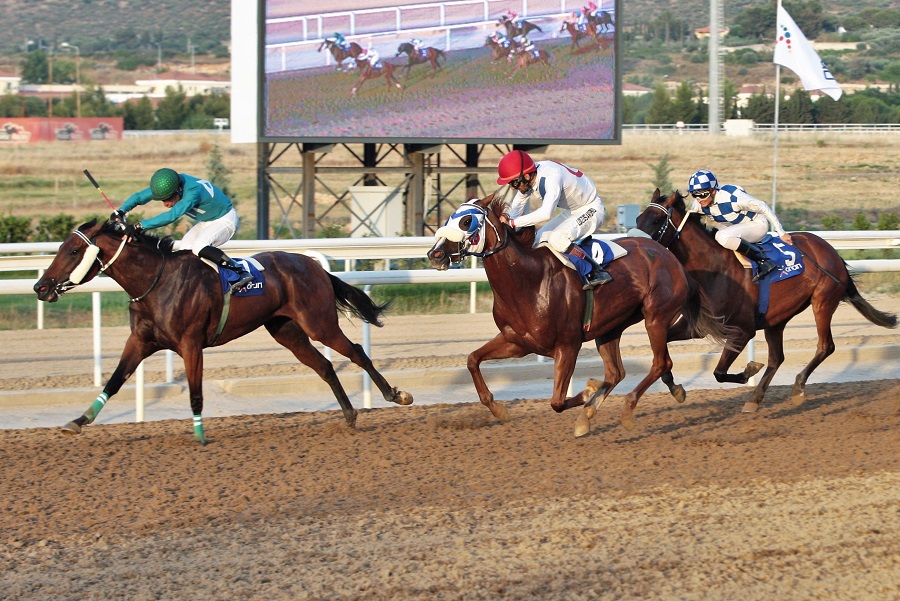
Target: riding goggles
{"type": "Point", "coordinates": [701, 194]}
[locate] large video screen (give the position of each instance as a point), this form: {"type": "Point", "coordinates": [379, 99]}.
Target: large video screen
{"type": "Point", "coordinates": [459, 71]}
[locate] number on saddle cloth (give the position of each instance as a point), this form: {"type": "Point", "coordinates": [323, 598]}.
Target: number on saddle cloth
{"type": "Point", "coordinates": [787, 257]}
{"type": "Point", "coordinates": [254, 288]}
{"type": "Point", "coordinates": [423, 54]}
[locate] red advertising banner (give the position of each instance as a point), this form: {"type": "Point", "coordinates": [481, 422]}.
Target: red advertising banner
{"type": "Point", "coordinates": [15, 130]}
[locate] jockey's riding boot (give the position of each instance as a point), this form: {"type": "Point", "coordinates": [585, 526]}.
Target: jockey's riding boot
{"type": "Point", "coordinates": [764, 265]}
{"type": "Point", "coordinates": [598, 276]}
{"type": "Point", "coordinates": [218, 256]}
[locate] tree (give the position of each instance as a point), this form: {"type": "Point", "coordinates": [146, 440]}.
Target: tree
{"type": "Point", "coordinates": [35, 68]}
{"type": "Point", "coordinates": [760, 108]}
{"type": "Point", "coordinates": [139, 114]}
{"type": "Point", "coordinates": [832, 111]}
{"type": "Point", "coordinates": [661, 172]}
{"type": "Point", "coordinates": [172, 110]}
{"type": "Point", "coordinates": [661, 109]}
{"type": "Point", "coordinates": [684, 108]}
{"type": "Point", "coordinates": [798, 108]}
{"type": "Point", "coordinates": [217, 172]}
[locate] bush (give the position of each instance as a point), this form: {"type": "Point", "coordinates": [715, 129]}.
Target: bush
{"type": "Point", "coordinates": [14, 229]}
{"type": "Point", "coordinates": [54, 229]}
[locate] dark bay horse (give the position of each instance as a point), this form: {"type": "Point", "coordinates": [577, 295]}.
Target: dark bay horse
{"type": "Point", "coordinates": [525, 58]}
{"type": "Point", "coordinates": [823, 285]}
{"type": "Point", "coordinates": [341, 53]}
{"type": "Point", "coordinates": [177, 304]}
{"type": "Point", "coordinates": [367, 72]}
{"type": "Point", "coordinates": [500, 52]}
{"type": "Point", "coordinates": [539, 306]}
{"type": "Point", "coordinates": [516, 28]}
{"type": "Point", "coordinates": [429, 55]}
{"type": "Point", "coordinates": [600, 19]}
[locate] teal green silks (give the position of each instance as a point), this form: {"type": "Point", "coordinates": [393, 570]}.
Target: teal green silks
{"type": "Point", "coordinates": [94, 410]}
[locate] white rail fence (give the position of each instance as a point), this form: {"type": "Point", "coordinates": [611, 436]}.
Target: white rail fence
{"type": "Point", "coordinates": [38, 256]}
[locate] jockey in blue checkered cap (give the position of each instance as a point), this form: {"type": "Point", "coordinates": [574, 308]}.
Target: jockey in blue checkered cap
{"type": "Point", "coordinates": [741, 219]}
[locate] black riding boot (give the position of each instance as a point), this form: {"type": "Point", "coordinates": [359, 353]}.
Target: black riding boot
{"type": "Point", "coordinates": [598, 276]}
{"type": "Point", "coordinates": [764, 265]}
{"type": "Point", "coordinates": [218, 256]}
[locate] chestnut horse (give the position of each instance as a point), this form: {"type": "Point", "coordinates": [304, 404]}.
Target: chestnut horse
{"type": "Point", "coordinates": [429, 55]}
{"type": "Point", "coordinates": [540, 308]}
{"type": "Point", "coordinates": [341, 53]}
{"type": "Point", "coordinates": [367, 72]}
{"type": "Point", "coordinates": [177, 304]}
{"type": "Point", "coordinates": [601, 19]}
{"type": "Point", "coordinates": [579, 34]}
{"type": "Point", "coordinates": [500, 52]}
{"type": "Point", "coordinates": [823, 285]}
{"type": "Point", "coordinates": [526, 58]}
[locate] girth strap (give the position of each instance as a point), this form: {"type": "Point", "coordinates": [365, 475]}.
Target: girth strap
{"type": "Point", "coordinates": [226, 307]}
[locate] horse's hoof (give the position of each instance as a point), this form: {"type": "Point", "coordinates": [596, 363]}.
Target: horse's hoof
{"type": "Point", "coordinates": [750, 407]}
{"type": "Point", "coordinates": [798, 397]}
{"type": "Point", "coordinates": [628, 422]}
{"type": "Point", "coordinates": [71, 428]}
{"type": "Point", "coordinates": [582, 425]}
{"type": "Point", "coordinates": [403, 398]}
{"type": "Point", "coordinates": [500, 411]}
{"type": "Point", "coordinates": [589, 411]}
{"type": "Point", "coordinates": [753, 368]}
{"type": "Point", "coordinates": [679, 393]}
{"type": "Point", "coordinates": [592, 386]}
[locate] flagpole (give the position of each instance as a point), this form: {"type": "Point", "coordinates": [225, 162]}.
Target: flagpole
{"type": "Point", "coordinates": [775, 130]}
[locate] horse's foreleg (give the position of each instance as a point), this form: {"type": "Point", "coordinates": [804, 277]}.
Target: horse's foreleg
{"type": "Point", "coordinates": [496, 348]}
{"type": "Point", "coordinates": [775, 342]}
{"type": "Point", "coordinates": [135, 351]}
{"type": "Point", "coordinates": [563, 368]}
{"type": "Point", "coordinates": [727, 358]}
{"type": "Point", "coordinates": [193, 369]}
{"type": "Point", "coordinates": [614, 372]}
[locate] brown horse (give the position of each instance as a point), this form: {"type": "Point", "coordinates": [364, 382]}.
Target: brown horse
{"type": "Point", "coordinates": [517, 28]}
{"type": "Point", "coordinates": [540, 308]}
{"type": "Point", "coordinates": [367, 72]}
{"type": "Point", "coordinates": [579, 34]}
{"type": "Point", "coordinates": [500, 52]}
{"type": "Point", "coordinates": [177, 304]}
{"type": "Point", "coordinates": [429, 55]}
{"type": "Point", "coordinates": [824, 283]}
{"type": "Point", "coordinates": [525, 58]}
{"type": "Point", "coordinates": [341, 53]}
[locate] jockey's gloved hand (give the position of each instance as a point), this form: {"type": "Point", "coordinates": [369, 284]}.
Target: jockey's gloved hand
{"type": "Point", "coordinates": [118, 216]}
{"type": "Point", "coordinates": [132, 229]}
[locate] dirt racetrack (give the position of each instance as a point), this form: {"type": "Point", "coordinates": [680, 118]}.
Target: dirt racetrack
{"type": "Point", "coordinates": [442, 502]}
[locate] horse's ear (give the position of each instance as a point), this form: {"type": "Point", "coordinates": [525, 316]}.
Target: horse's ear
{"type": "Point", "coordinates": [656, 195]}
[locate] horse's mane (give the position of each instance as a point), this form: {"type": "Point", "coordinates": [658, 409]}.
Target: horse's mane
{"type": "Point", "coordinates": [680, 205]}
{"type": "Point", "coordinates": [525, 235]}
{"type": "Point", "coordinates": [165, 244]}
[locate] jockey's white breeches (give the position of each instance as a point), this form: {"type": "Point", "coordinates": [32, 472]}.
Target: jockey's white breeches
{"type": "Point", "coordinates": [211, 233]}
{"type": "Point", "coordinates": [570, 226]}
{"type": "Point", "coordinates": [752, 230]}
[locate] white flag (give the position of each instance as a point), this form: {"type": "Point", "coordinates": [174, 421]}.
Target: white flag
{"type": "Point", "coordinates": [793, 50]}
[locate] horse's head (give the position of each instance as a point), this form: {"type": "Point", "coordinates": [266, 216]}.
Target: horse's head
{"type": "Point", "coordinates": [75, 261]}
{"type": "Point", "coordinates": [465, 233]}
{"type": "Point", "coordinates": [326, 43]}
{"type": "Point", "coordinates": [404, 48]}
{"type": "Point", "coordinates": [502, 20]}
{"type": "Point", "coordinates": [81, 256]}
{"type": "Point", "coordinates": [656, 220]}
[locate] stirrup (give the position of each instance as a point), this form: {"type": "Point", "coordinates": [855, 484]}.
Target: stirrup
{"type": "Point", "coordinates": [245, 279]}
{"type": "Point", "coordinates": [597, 278]}
{"type": "Point", "coordinates": [764, 268]}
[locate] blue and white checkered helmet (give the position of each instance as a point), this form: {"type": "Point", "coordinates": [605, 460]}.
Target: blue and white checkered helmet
{"type": "Point", "coordinates": [702, 180]}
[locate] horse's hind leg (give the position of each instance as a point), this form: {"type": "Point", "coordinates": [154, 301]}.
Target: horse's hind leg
{"type": "Point", "coordinates": [825, 347]}
{"type": "Point", "coordinates": [338, 341]}
{"type": "Point", "coordinates": [291, 336]}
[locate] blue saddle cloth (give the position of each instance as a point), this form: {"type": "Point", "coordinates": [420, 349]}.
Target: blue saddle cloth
{"type": "Point", "coordinates": [254, 288]}
{"type": "Point", "coordinates": [790, 264]}
{"type": "Point", "coordinates": [596, 249]}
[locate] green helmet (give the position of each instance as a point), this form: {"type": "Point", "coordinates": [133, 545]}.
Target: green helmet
{"type": "Point", "coordinates": [164, 184]}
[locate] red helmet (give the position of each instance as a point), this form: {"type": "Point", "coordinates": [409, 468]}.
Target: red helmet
{"type": "Point", "coordinates": [515, 164]}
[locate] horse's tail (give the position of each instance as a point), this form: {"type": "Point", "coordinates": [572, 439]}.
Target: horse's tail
{"type": "Point", "coordinates": [351, 299]}
{"type": "Point", "coordinates": [879, 318]}
{"type": "Point", "coordinates": [703, 323]}
{"type": "Point", "coordinates": [440, 55]}
{"type": "Point", "coordinates": [536, 27]}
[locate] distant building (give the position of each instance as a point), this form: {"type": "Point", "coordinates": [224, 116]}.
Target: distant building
{"type": "Point", "coordinates": [9, 83]}
{"type": "Point", "coordinates": [630, 89]}
{"type": "Point", "coordinates": [193, 84]}
{"type": "Point", "coordinates": [703, 32]}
